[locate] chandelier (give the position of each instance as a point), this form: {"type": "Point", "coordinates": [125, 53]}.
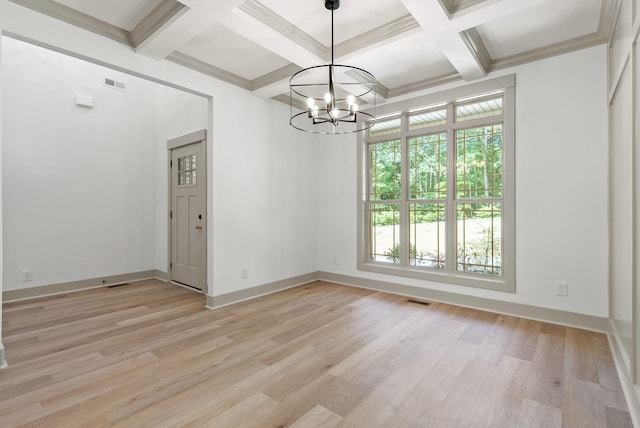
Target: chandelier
{"type": "Point", "coordinates": [324, 99]}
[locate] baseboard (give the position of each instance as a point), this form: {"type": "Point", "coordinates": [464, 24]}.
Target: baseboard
{"type": "Point", "coordinates": [571, 319]}
{"type": "Point", "coordinates": [85, 284]}
{"type": "Point", "coordinates": [630, 391]}
{"type": "Point", "coordinates": [3, 361]}
{"type": "Point", "coordinates": [214, 302]}
{"type": "Point", "coordinates": [161, 275]}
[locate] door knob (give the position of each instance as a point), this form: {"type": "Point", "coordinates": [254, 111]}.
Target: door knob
{"type": "Point", "coordinates": [199, 227]}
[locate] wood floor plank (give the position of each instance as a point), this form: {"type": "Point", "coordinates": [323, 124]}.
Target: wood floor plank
{"type": "Point", "coordinates": [318, 417]}
{"type": "Point", "coordinates": [538, 415]}
{"type": "Point", "coordinates": [322, 354]}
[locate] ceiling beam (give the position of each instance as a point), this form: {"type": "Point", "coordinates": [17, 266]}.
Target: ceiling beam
{"type": "Point", "coordinates": [456, 46]}
{"type": "Point", "coordinates": [456, 33]}
{"type": "Point", "coordinates": [487, 11]}
{"type": "Point", "coordinates": [267, 29]}
{"type": "Point", "coordinates": [197, 16]}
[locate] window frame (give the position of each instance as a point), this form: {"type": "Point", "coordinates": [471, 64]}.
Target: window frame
{"type": "Point", "coordinates": [402, 110]}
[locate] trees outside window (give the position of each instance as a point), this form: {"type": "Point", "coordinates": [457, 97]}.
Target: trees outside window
{"type": "Point", "coordinates": [438, 193]}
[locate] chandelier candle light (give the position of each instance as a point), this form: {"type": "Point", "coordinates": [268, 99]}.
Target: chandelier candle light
{"type": "Point", "coordinates": [331, 94]}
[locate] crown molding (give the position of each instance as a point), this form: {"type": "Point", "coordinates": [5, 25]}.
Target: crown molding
{"type": "Point", "coordinates": [275, 76]}
{"type": "Point", "coordinates": [208, 69]}
{"type": "Point", "coordinates": [79, 19]}
{"type": "Point", "coordinates": [455, 6]}
{"type": "Point", "coordinates": [404, 25]}
{"type": "Point", "coordinates": [274, 21]}
{"type": "Point", "coordinates": [572, 45]}
{"type": "Point", "coordinates": [423, 84]}
{"type": "Point", "coordinates": [158, 17]}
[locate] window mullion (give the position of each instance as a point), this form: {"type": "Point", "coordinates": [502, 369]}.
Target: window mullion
{"type": "Point", "coordinates": [450, 211]}
{"type": "Point", "coordinates": [404, 194]}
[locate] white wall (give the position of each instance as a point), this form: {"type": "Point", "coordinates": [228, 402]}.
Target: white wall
{"type": "Point", "coordinates": [78, 194]}
{"type": "Point", "coordinates": [561, 189]}
{"type": "Point", "coordinates": [262, 173]}
{"type": "Point", "coordinates": [265, 198]}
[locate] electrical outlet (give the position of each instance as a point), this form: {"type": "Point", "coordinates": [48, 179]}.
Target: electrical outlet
{"type": "Point", "coordinates": [244, 272]}
{"type": "Point", "coordinates": [562, 288]}
{"type": "Point", "coordinates": [336, 260]}
{"type": "Point", "coordinates": [27, 275]}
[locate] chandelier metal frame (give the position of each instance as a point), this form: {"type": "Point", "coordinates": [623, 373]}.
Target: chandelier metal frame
{"type": "Point", "coordinates": [331, 93]}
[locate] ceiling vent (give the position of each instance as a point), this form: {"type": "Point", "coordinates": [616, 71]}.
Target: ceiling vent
{"type": "Point", "coordinates": [115, 84]}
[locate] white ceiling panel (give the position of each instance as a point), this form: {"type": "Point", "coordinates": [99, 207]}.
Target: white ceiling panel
{"type": "Point", "coordinates": [354, 17]}
{"type": "Point", "coordinates": [125, 14]}
{"type": "Point", "coordinates": [551, 22]}
{"type": "Point", "coordinates": [231, 52]}
{"type": "Point", "coordinates": [412, 59]}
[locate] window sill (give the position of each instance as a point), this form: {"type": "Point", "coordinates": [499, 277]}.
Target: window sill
{"type": "Point", "coordinates": [469, 280]}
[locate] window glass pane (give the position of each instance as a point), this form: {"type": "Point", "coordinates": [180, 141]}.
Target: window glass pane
{"type": "Point", "coordinates": [187, 170]}
{"type": "Point", "coordinates": [478, 109]}
{"type": "Point", "coordinates": [427, 235]}
{"type": "Point", "coordinates": [385, 127]}
{"type": "Point", "coordinates": [479, 238]}
{"type": "Point", "coordinates": [479, 163]}
{"type": "Point", "coordinates": [427, 119]}
{"type": "Point", "coordinates": [384, 221]}
{"type": "Point", "coordinates": [428, 167]}
{"type": "Point", "coordinates": [385, 165]}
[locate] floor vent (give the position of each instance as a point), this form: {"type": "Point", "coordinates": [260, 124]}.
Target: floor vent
{"type": "Point", "coordinates": [419, 302]}
{"type": "Point", "coordinates": [117, 285]}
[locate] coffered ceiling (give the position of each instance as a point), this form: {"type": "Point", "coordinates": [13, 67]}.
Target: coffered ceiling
{"type": "Point", "coordinates": [408, 45]}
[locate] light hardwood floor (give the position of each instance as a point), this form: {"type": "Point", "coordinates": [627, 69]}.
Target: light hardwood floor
{"type": "Point", "coordinates": [150, 354]}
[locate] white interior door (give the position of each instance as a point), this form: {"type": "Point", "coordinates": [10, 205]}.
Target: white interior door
{"type": "Point", "coordinates": [188, 215]}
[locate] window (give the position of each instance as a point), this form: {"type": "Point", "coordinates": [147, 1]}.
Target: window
{"type": "Point", "coordinates": [187, 170]}
{"type": "Point", "coordinates": [437, 188]}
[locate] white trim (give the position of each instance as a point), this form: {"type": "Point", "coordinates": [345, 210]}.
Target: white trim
{"type": "Point", "coordinates": [165, 13]}
{"type": "Point", "coordinates": [185, 140]}
{"type": "Point", "coordinates": [520, 310]}
{"type": "Point", "coordinates": [630, 392]}
{"type": "Point", "coordinates": [3, 360]}
{"type": "Point", "coordinates": [85, 284]}
{"type": "Point", "coordinates": [507, 280]}
{"type": "Point", "coordinates": [215, 302]}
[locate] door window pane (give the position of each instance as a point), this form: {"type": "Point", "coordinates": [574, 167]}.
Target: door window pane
{"type": "Point", "coordinates": [187, 170]}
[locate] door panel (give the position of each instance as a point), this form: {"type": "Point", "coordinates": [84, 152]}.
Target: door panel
{"type": "Point", "coordinates": [188, 217]}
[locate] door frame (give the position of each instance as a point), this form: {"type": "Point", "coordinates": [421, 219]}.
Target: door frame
{"type": "Point", "coordinates": [196, 137]}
